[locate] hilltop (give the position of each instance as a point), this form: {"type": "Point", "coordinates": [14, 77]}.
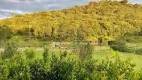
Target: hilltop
{"type": "Point", "coordinates": [97, 19]}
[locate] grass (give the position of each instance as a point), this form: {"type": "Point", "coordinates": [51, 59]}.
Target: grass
{"type": "Point", "coordinates": [100, 55]}
{"type": "Point", "coordinates": [135, 58]}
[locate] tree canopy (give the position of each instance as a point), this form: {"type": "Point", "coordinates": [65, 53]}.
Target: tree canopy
{"type": "Point", "coordinates": [97, 19]}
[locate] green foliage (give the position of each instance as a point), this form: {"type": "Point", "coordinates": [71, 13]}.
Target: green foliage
{"type": "Point", "coordinates": [105, 18]}
{"type": "Point", "coordinates": [80, 34]}
{"type": "Point", "coordinates": [22, 41]}
{"type": "Point", "coordinates": [86, 70]}
{"type": "Point", "coordinates": [121, 44]}
{"type": "Point", "coordinates": [132, 39]}
{"type": "Point", "coordinates": [30, 53]}
{"type": "Point", "coordinates": [9, 51]}
{"type": "Point", "coordinates": [118, 45]}
{"type": "Point", "coordinates": [68, 69]}
{"type": "Point", "coordinates": [38, 70]}
{"type": "Point", "coordinates": [19, 70]}
{"type": "Point", "coordinates": [46, 54]}
{"type": "Point", "coordinates": [138, 51]}
{"type": "Point", "coordinates": [5, 33]}
{"type": "Point", "coordinates": [84, 50]}
{"type": "Point", "coordinates": [61, 69]}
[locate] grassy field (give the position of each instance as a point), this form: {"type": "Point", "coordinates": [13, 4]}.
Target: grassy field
{"type": "Point", "coordinates": [137, 59]}
{"type": "Point", "coordinates": [99, 55]}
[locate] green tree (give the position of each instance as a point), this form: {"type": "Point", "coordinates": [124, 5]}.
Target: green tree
{"type": "Point", "coordinates": [80, 34]}
{"type": "Point", "coordinates": [5, 33]}
{"type": "Point", "coordinates": [45, 54]}
{"type": "Point", "coordinates": [9, 51]}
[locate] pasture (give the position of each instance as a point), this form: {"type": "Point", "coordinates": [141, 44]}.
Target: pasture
{"type": "Point", "coordinates": [97, 54]}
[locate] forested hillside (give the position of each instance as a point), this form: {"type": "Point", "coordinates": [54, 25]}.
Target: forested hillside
{"type": "Point", "coordinates": [88, 22]}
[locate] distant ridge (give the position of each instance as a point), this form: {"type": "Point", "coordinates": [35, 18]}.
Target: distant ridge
{"type": "Point", "coordinates": [97, 19]}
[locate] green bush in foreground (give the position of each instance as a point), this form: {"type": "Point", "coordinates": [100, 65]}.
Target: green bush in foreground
{"type": "Point", "coordinates": [64, 68]}
{"type": "Point", "coordinates": [59, 68]}
{"type": "Point", "coordinates": [10, 50]}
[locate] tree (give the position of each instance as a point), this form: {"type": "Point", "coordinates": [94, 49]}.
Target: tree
{"type": "Point", "coordinates": [10, 50]}
{"type": "Point", "coordinates": [80, 34]}
{"type": "Point", "coordinates": [5, 33]}
{"type": "Point", "coordinates": [108, 18]}
{"type": "Point", "coordinates": [124, 1]}
{"type": "Point", "coordinates": [45, 54]}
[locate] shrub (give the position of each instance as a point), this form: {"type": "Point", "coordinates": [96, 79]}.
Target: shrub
{"type": "Point", "coordinates": [120, 46]}
{"type": "Point", "coordinates": [9, 51]}
{"type": "Point", "coordinates": [61, 69]}
{"type": "Point", "coordinates": [45, 54]}
{"type": "Point", "coordinates": [30, 53]}
{"type": "Point", "coordinates": [85, 50]}
{"type": "Point", "coordinates": [19, 70]}
{"type": "Point", "coordinates": [38, 70]}
{"type": "Point", "coordinates": [4, 71]}
{"type": "Point", "coordinates": [68, 69]}
{"type": "Point", "coordinates": [132, 39]}
{"type": "Point", "coordinates": [86, 70]}
{"type": "Point", "coordinates": [5, 33]}
{"type": "Point", "coordinates": [117, 42]}
{"type": "Point", "coordinates": [138, 51]}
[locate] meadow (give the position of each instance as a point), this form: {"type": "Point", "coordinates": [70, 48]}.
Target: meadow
{"type": "Point", "coordinates": [82, 62]}
{"type": "Point", "coordinates": [97, 54]}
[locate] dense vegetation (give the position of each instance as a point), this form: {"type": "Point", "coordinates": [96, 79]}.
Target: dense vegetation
{"type": "Point", "coordinates": [129, 44]}
{"type": "Point", "coordinates": [50, 67]}
{"type": "Point", "coordinates": [97, 19]}
{"type": "Point", "coordinates": [118, 22]}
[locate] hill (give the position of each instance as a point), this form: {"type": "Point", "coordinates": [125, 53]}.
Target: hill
{"type": "Point", "coordinates": [88, 22]}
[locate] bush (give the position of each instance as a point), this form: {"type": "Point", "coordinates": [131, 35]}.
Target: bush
{"type": "Point", "coordinates": [9, 51]}
{"type": "Point", "coordinates": [61, 68]}
{"type": "Point", "coordinates": [120, 46]}
{"type": "Point", "coordinates": [5, 33]}
{"type": "Point", "coordinates": [19, 70]}
{"type": "Point", "coordinates": [30, 53]}
{"type": "Point", "coordinates": [138, 51]}
{"type": "Point", "coordinates": [45, 54]}
{"type": "Point", "coordinates": [132, 39]}
{"type": "Point", "coordinates": [84, 50]}
{"type": "Point", "coordinates": [117, 42]}
{"type": "Point", "coordinates": [38, 70]}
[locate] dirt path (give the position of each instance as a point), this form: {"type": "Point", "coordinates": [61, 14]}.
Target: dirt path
{"type": "Point", "coordinates": [23, 49]}
{"type": "Point", "coordinates": [41, 48]}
